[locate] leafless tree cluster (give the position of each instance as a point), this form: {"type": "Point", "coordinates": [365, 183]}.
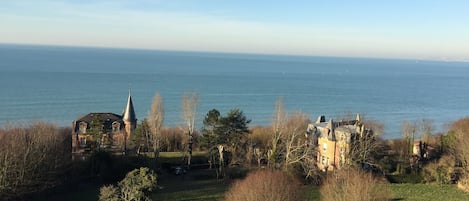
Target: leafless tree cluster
{"type": "Point", "coordinates": [366, 148]}
{"type": "Point", "coordinates": [289, 145]}
{"type": "Point", "coordinates": [190, 103]}
{"type": "Point", "coordinates": [32, 158]}
{"type": "Point", "coordinates": [272, 185]}
{"type": "Point", "coordinates": [155, 123]}
{"type": "Point", "coordinates": [354, 185]}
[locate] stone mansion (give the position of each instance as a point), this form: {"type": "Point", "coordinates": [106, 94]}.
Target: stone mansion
{"type": "Point", "coordinates": [334, 140]}
{"type": "Point", "coordinates": [105, 131]}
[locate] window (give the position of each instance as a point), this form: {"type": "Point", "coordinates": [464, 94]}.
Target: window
{"type": "Point", "coordinates": [82, 142]}
{"type": "Point", "coordinates": [115, 126]}
{"type": "Point", "coordinates": [82, 127]}
{"type": "Point", "coordinates": [324, 147]}
{"type": "Point", "coordinates": [324, 160]}
{"type": "Point", "coordinates": [342, 156]}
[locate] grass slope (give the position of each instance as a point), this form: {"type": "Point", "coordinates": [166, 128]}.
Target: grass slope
{"type": "Point", "coordinates": [424, 192]}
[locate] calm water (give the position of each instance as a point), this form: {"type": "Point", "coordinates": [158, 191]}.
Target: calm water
{"type": "Point", "coordinates": [58, 84]}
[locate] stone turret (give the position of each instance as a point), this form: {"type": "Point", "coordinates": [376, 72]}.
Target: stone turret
{"type": "Point", "coordinates": [129, 117]}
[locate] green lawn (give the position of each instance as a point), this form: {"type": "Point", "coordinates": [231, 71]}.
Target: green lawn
{"type": "Point", "coordinates": [424, 192]}
{"type": "Point", "coordinates": [195, 185]}
{"type": "Point", "coordinates": [200, 185]}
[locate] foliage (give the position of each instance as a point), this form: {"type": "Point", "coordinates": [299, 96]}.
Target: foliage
{"type": "Point", "coordinates": [33, 158]}
{"type": "Point", "coordinates": [109, 193]}
{"type": "Point", "coordinates": [139, 138]}
{"type": "Point", "coordinates": [354, 185]}
{"type": "Point", "coordinates": [408, 178]}
{"type": "Point", "coordinates": [441, 171]}
{"type": "Point", "coordinates": [448, 143]}
{"type": "Point", "coordinates": [210, 136]}
{"type": "Point", "coordinates": [269, 185]}
{"type": "Point", "coordinates": [97, 129]}
{"type": "Point", "coordinates": [105, 167]}
{"type": "Point", "coordinates": [228, 131]}
{"type": "Point", "coordinates": [460, 129]}
{"type": "Point", "coordinates": [136, 186]}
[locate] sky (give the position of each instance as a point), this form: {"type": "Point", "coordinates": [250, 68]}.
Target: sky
{"type": "Point", "coordinates": [415, 29]}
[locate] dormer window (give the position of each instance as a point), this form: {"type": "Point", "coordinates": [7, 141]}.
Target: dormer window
{"type": "Point", "coordinates": [116, 126]}
{"type": "Point", "coordinates": [82, 127]}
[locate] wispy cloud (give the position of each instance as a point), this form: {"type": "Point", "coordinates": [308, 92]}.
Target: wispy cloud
{"type": "Point", "coordinates": [174, 25]}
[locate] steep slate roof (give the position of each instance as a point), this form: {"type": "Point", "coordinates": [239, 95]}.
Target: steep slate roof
{"type": "Point", "coordinates": [106, 118]}
{"type": "Point", "coordinates": [129, 112]}
{"type": "Point", "coordinates": [103, 116]}
{"type": "Point", "coordinates": [349, 126]}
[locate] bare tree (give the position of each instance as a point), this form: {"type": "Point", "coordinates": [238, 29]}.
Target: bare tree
{"type": "Point", "coordinates": [295, 142]}
{"type": "Point", "coordinates": [409, 130]}
{"type": "Point", "coordinates": [426, 129]}
{"type": "Point", "coordinates": [278, 127]}
{"type": "Point", "coordinates": [366, 147]}
{"type": "Point", "coordinates": [190, 103]}
{"type": "Point", "coordinates": [155, 122]}
{"type": "Point", "coordinates": [32, 158]}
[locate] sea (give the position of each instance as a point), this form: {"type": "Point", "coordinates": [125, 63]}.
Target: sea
{"type": "Point", "coordinates": [59, 84]}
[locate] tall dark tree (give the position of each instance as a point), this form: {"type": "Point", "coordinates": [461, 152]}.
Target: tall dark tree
{"type": "Point", "coordinates": [97, 129]}
{"type": "Point", "coordinates": [209, 139]}
{"type": "Point", "coordinates": [222, 134]}
{"type": "Point", "coordinates": [233, 130]}
{"type": "Point", "coordinates": [139, 138]}
{"type": "Point", "coordinates": [210, 129]}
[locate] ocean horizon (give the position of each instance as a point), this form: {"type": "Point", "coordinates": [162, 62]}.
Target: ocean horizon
{"type": "Point", "coordinates": [58, 84]}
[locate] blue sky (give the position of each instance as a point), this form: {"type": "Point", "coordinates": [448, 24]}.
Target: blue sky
{"type": "Point", "coordinates": [391, 29]}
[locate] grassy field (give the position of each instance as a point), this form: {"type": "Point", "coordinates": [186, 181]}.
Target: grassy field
{"type": "Point", "coordinates": [195, 185]}
{"type": "Point", "coordinates": [201, 185]}
{"type": "Point", "coordinates": [424, 192]}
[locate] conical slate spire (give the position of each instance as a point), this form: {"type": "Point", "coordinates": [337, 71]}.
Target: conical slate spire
{"type": "Point", "coordinates": [129, 112]}
{"type": "Point", "coordinates": [330, 124]}
{"type": "Point", "coordinates": [358, 118]}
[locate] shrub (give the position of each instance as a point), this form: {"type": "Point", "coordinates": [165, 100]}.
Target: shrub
{"type": "Point", "coordinates": [354, 185]}
{"type": "Point", "coordinates": [405, 178]}
{"type": "Point", "coordinates": [268, 185]}
{"type": "Point", "coordinates": [440, 171]}
{"type": "Point", "coordinates": [137, 185]}
{"type": "Point", "coordinates": [109, 193]}
{"type": "Point", "coordinates": [463, 184]}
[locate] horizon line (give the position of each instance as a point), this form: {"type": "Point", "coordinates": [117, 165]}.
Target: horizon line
{"type": "Point", "coordinates": [230, 52]}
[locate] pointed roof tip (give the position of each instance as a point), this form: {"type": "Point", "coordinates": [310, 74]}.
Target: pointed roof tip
{"type": "Point", "coordinates": [358, 118]}
{"type": "Point", "coordinates": [321, 119]}
{"type": "Point", "coordinates": [330, 124]}
{"type": "Point", "coordinates": [129, 112]}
